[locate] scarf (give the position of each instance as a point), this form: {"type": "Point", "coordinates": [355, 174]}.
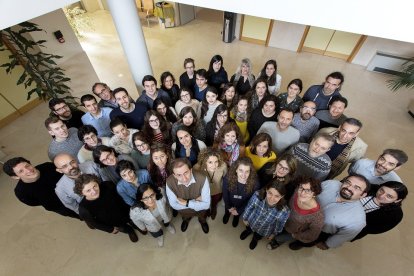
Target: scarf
{"type": "Point", "coordinates": [340, 160]}
{"type": "Point", "coordinates": [241, 116]}
{"type": "Point", "coordinates": [232, 150]}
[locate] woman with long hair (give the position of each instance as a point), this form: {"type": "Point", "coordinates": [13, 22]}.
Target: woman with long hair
{"type": "Point", "coordinates": [238, 186]}
{"type": "Point", "coordinates": [281, 170]}
{"type": "Point", "coordinates": [241, 114]}
{"type": "Point", "coordinates": [189, 119]}
{"type": "Point", "coordinates": [159, 166]}
{"type": "Point", "coordinates": [291, 98]}
{"type": "Point", "coordinates": [220, 117]}
{"type": "Point", "coordinates": [211, 163]}
{"type": "Point", "coordinates": [186, 146]}
{"type": "Point", "coordinates": [186, 98]}
{"type": "Point", "coordinates": [152, 211]}
{"type": "Point", "coordinates": [269, 72]}
{"type": "Point", "coordinates": [156, 128]}
{"type": "Point", "coordinates": [260, 150]}
{"type": "Point", "coordinates": [166, 112]}
{"type": "Point", "coordinates": [169, 86]}
{"type": "Point", "coordinates": [243, 79]}
{"type": "Point", "coordinates": [141, 152]}
{"type": "Point", "coordinates": [209, 104]}
{"type": "Point", "coordinates": [229, 95]}
{"type": "Point", "coordinates": [216, 74]}
{"type": "Point", "coordinates": [264, 113]}
{"type": "Point", "coordinates": [230, 143]}
{"type": "Point", "coordinates": [258, 92]}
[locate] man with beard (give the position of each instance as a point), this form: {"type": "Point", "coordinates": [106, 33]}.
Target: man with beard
{"type": "Point", "coordinates": [36, 184]}
{"type": "Point", "coordinates": [67, 164]}
{"type": "Point", "coordinates": [348, 147]}
{"type": "Point", "coordinates": [382, 170]}
{"type": "Point", "coordinates": [71, 118]}
{"type": "Point", "coordinates": [132, 114]}
{"type": "Point", "coordinates": [283, 135]}
{"type": "Point", "coordinates": [305, 122]}
{"type": "Point", "coordinates": [344, 215]}
{"type": "Point", "coordinates": [334, 116]}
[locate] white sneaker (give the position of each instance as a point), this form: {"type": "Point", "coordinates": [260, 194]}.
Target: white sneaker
{"type": "Point", "coordinates": [171, 228]}
{"type": "Point", "coordinates": [160, 241]}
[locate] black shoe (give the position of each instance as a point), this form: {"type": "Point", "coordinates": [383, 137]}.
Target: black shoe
{"type": "Point", "coordinates": [175, 213]}
{"type": "Point", "coordinates": [184, 225]}
{"type": "Point", "coordinates": [295, 245]}
{"type": "Point", "coordinates": [235, 221]}
{"type": "Point", "coordinates": [253, 244]}
{"type": "Point", "coordinates": [226, 218]}
{"type": "Point", "coordinates": [132, 236]}
{"type": "Point", "coordinates": [273, 244]}
{"type": "Point", "coordinates": [245, 234]}
{"type": "Point", "coordinates": [213, 213]}
{"type": "Point", "coordinates": [205, 227]}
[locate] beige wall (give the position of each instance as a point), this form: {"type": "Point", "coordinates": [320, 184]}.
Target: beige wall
{"type": "Point", "coordinates": [286, 35]}
{"type": "Point", "coordinates": [255, 27]}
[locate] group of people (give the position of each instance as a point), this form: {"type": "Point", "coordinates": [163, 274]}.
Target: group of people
{"type": "Point", "coordinates": [271, 156]}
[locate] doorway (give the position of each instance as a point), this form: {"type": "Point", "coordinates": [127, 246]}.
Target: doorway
{"type": "Point", "coordinates": [256, 29]}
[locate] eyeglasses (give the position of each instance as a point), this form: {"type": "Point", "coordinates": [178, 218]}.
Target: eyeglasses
{"type": "Point", "coordinates": [103, 90]}
{"type": "Point", "coordinates": [309, 108]}
{"type": "Point", "coordinates": [151, 196]}
{"type": "Point", "coordinates": [283, 169]}
{"type": "Point", "coordinates": [306, 191]}
{"type": "Point", "coordinates": [140, 145]}
{"type": "Point", "coordinates": [185, 95]}
{"type": "Point", "coordinates": [106, 158]}
{"type": "Point", "coordinates": [63, 108]}
{"type": "Point", "coordinates": [154, 121]}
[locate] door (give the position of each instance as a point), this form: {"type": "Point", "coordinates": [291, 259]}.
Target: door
{"type": "Point", "coordinates": [255, 29]}
{"type": "Point", "coordinates": [332, 43]}
{"type": "Point", "coordinates": [186, 13]}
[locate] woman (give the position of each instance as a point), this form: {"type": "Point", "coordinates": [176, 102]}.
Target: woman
{"type": "Point", "coordinates": [216, 74]}
{"type": "Point", "coordinates": [241, 115]}
{"type": "Point", "coordinates": [152, 211]}
{"type": "Point", "coordinates": [282, 170]}
{"type": "Point", "coordinates": [101, 207]}
{"type": "Point", "coordinates": [260, 150]}
{"type": "Point", "coordinates": [166, 112]}
{"type": "Point", "coordinates": [228, 96]}
{"type": "Point", "coordinates": [122, 139]}
{"type": "Point", "coordinates": [159, 166]}
{"type": "Point", "coordinates": [220, 117]}
{"type": "Point", "coordinates": [243, 79]}
{"type": "Point", "coordinates": [306, 217]}
{"type": "Point", "coordinates": [264, 113]}
{"type": "Point", "coordinates": [258, 92]}
{"type": "Point", "coordinates": [187, 146]}
{"type": "Point", "coordinates": [269, 72]}
{"type": "Point", "coordinates": [291, 99]}
{"type": "Point", "coordinates": [141, 152]}
{"type": "Point", "coordinates": [131, 179]}
{"type": "Point", "coordinates": [188, 78]}
{"type": "Point", "coordinates": [186, 99]}
{"type": "Point", "coordinates": [156, 128]}
{"type": "Point", "coordinates": [209, 104]}
{"type": "Point", "coordinates": [238, 186]}
{"type": "Point", "coordinates": [169, 86]}
{"type": "Point", "coordinates": [190, 120]}
{"type": "Point", "coordinates": [265, 214]}
{"type": "Point", "coordinates": [89, 136]}
{"type": "Point", "coordinates": [107, 159]}
{"type": "Point", "coordinates": [383, 208]}
{"type": "Point", "coordinates": [230, 143]}
{"type": "Point", "coordinates": [211, 163]}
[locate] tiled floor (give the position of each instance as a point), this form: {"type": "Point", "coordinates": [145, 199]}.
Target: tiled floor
{"type": "Point", "coordinates": [37, 242]}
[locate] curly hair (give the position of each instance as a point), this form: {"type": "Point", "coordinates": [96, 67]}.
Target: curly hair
{"type": "Point", "coordinates": [205, 154]}
{"type": "Point", "coordinates": [315, 184]}
{"type": "Point", "coordinates": [291, 162]}
{"type": "Point", "coordinates": [232, 174]}
{"type": "Point", "coordinates": [84, 179]}
{"type": "Point", "coordinates": [140, 192]}
{"type": "Point", "coordinates": [229, 126]}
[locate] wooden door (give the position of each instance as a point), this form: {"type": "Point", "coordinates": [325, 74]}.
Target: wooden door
{"type": "Point", "coordinates": [255, 29]}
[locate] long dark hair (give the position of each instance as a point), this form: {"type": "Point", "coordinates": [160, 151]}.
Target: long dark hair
{"type": "Point", "coordinates": [220, 109]}
{"type": "Point", "coordinates": [170, 115]}
{"type": "Point", "coordinates": [204, 103]}
{"type": "Point", "coordinates": [399, 188]}
{"type": "Point", "coordinates": [153, 169]}
{"type": "Point", "coordinates": [280, 187]}
{"type": "Point", "coordinates": [140, 192]}
{"type": "Point", "coordinates": [272, 79]}
{"type": "Point", "coordinates": [178, 144]}
{"type": "Point", "coordinates": [213, 60]}
{"type": "Point", "coordinates": [98, 151]}
{"type": "Point", "coordinates": [164, 127]}
{"type": "Point", "coordinates": [186, 110]}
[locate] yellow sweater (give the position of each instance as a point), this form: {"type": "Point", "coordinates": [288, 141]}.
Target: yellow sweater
{"type": "Point", "coordinates": [258, 161]}
{"type": "Point", "coordinates": [243, 128]}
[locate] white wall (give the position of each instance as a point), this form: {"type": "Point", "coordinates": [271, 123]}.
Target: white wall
{"type": "Point", "coordinates": [73, 55]}
{"type": "Point", "coordinates": [286, 35]}
{"type": "Point", "coordinates": [374, 44]}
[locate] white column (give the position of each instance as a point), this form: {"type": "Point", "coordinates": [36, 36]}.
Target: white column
{"type": "Point", "coordinates": [125, 16]}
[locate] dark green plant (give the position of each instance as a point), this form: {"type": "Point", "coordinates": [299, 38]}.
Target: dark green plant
{"type": "Point", "coordinates": [39, 68]}
{"type": "Point", "coordinates": [405, 78]}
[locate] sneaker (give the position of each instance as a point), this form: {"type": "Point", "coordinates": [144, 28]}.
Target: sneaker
{"type": "Point", "coordinates": [295, 245]}
{"type": "Point", "coordinates": [273, 244]}
{"type": "Point", "coordinates": [133, 236]}
{"type": "Point", "coordinates": [171, 228]}
{"type": "Point", "coordinates": [235, 221]}
{"type": "Point", "coordinates": [253, 244]}
{"type": "Point", "coordinates": [226, 218]}
{"type": "Point", "coordinates": [160, 241]}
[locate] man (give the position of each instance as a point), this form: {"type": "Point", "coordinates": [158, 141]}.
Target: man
{"type": "Point", "coordinates": [343, 212]}
{"type": "Point", "coordinates": [96, 116]}
{"type": "Point", "coordinates": [382, 170]}
{"type": "Point", "coordinates": [71, 118]}
{"type": "Point", "coordinates": [188, 192]}
{"type": "Point", "coordinates": [71, 170]}
{"type": "Point", "coordinates": [322, 94]}
{"type": "Point", "coordinates": [348, 147]}
{"type": "Point", "coordinates": [64, 139]}
{"type": "Point", "coordinates": [105, 94]}
{"type": "Point", "coordinates": [200, 89]}
{"type": "Point", "coordinates": [132, 114]}
{"type": "Point", "coordinates": [334, 116]}
{"type": "Point", "coordinates": [312, 160]}
{"type": "Point", "coordinates": [305, 122]}
{"type": "Point", "coordinates": [151, 92]}
{"type": "Point", "coordinates": [36, 185]}
{"type": "Point", "coordinates": [283, 135]}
